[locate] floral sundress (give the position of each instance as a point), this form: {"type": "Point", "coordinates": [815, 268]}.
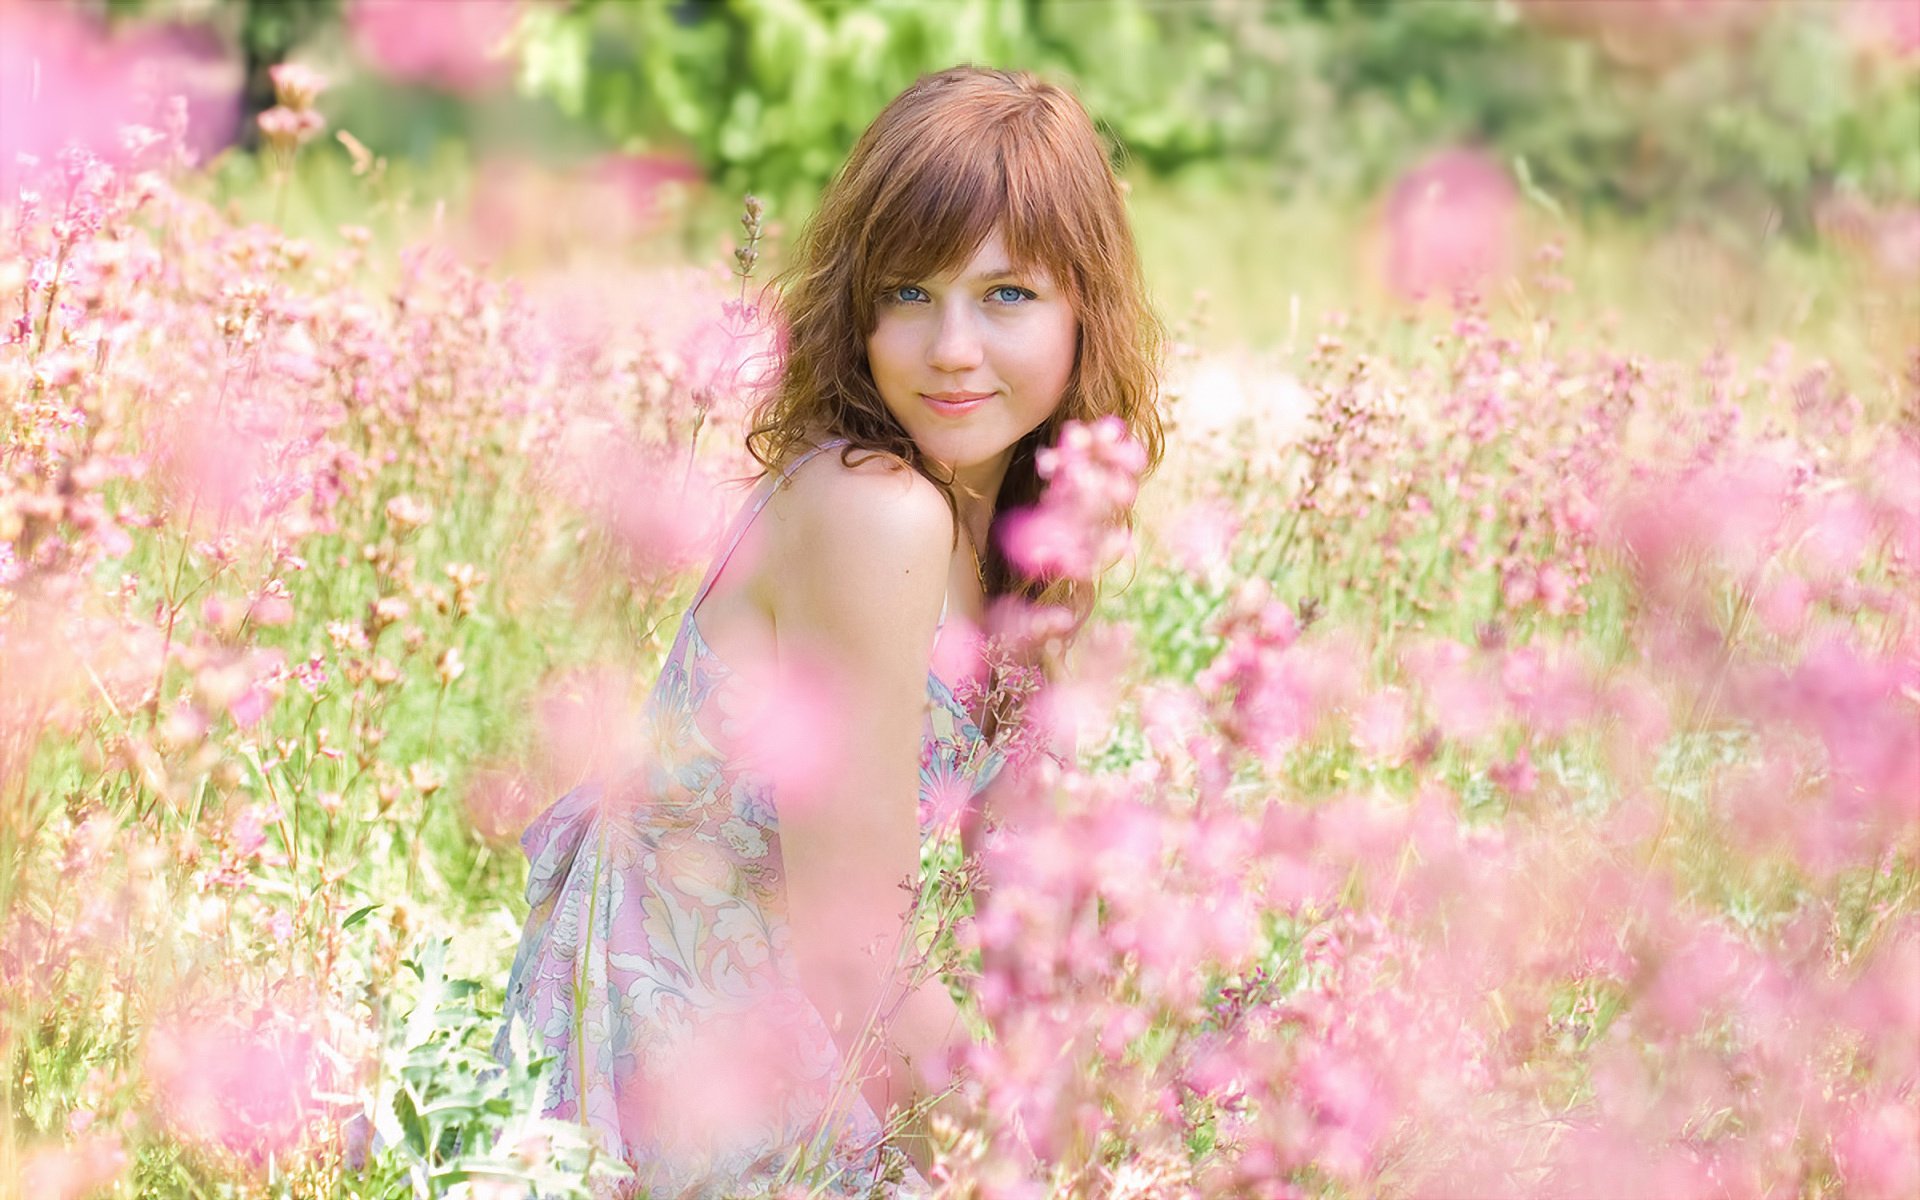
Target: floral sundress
{"type": "Point", "coordinates": [656, 963]}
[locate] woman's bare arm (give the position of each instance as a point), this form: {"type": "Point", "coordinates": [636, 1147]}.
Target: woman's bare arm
{"type": "Point", "coordinates": [863, 556]}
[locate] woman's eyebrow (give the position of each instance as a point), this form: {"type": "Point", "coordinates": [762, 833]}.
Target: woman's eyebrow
{"type": "Point", "coordinates": [993, 273]}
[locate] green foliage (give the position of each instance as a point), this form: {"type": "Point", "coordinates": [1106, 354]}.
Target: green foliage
{"type": "Point", "coordinates": [1311, 95]}
{"type": "Point", "coordinates": [447, 1112]}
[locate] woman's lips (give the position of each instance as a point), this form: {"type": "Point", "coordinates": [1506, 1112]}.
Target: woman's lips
{"type": "Point", "coordinates": [954, 404]}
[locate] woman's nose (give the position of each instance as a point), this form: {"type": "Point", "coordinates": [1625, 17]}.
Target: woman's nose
{"type": "Point", "coordinates": [956, 341]}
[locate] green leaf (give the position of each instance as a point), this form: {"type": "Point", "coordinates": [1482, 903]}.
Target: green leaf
{"type": "Point", "coordinates": [410, 1123]}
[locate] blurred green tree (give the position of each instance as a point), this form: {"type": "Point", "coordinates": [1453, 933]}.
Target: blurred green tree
{"type": "Point", "coordinates": [1651, 107]}
{"type": "Point", "coordinates": [1711, 106]}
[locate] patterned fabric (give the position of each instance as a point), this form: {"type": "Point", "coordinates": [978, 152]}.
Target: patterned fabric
{"type": "Point", "coordinates": [656, 962]}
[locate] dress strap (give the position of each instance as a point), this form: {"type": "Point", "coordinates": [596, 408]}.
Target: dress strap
{"type": "Point", "coordinates": [763, 494]}
{"type": "Point", "coordinates": [940, 624]}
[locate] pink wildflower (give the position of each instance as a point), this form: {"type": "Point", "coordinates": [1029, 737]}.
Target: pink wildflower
{"type": "Point", "coordinates": [312, 674]}
{"type": "Point", "coordinates": [296, 85]}
{"type": "Point", "coordinates": [273, 606]}
{"type": "Point", "coordinates": [1093, 474]}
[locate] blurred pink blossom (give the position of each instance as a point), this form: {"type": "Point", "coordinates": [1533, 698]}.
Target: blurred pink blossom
{"type": "Point", "coordinates": [83, 1168]}
{"type": "Point", "coordinates": [1047, 543]}
{"type": "Point", "coordinates": [1839, 527]}
{"type": "Point", "coordinates": [1882, 1005]}
{"type": "Point", "coordinates": [1547, 691]}
{"type": "Point", "coordinates": [1782, 605]}
{"type": "Point", "coordinates": [296, 85]}
{"type": "Point", "coordinates": [240, 1083]}
{"type": "Point", "coordinates": [1381, 725]}
{"type": "Point", "coordinates": [1730, 514]}
{"type": "Point", "coordinates": [455, 45]}
{"type": "Point", "coordinates": [218, 461]}
{"type": "Point", "coordinates": [1516, 776]}
{"type": "Point", "coordinates": [249, 706]}
{"type": "Point", "coordinates": [1349, 1108]}
{"type": "Point", "coordinates": [1858, 707]}
{"type": "Point", "coordinates": [1449, 223]}
{"type": "Point", "coordinates": [65, 77]}
{"type": "Point", "coordinates": [663, 518]}
{"type": "Point", "coordinates": [1200, 537]}
{"type": "Point", "coordinates": [42, 669]}
{"type": "Point", "coordinates": [1463, 702]}
{"type": "Point", "coordinates": [500, 804]}
{"type": "Point", "coordinates": [1080, 706]}
{"type": "Point", "coordinates": [588, 726]}
{"type": "Point", "coordinates": [783, 722]}
{"type": "Point", "coordinates": [723, 357]}
{"type": "Point", "coordinates": [1890, 26]}
{"type": "Point", "coordinates": [637, 179]}
{"type": "Point", "coordinates": [1263, 696]}
{"type": "Point", "coordinates": [1878, 1149]}
{"type": "Point", "coordinates": [959, 653]}
{"type": "Point", "coordinates": [523, 204]}
{"type": "Point", "coordinates": [1694, 970]}
{"type": "Point", "coordinates": [1172, 717]}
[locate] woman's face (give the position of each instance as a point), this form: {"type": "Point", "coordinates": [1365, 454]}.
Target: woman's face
{"type": "Point", "coordinates": [971, 362]}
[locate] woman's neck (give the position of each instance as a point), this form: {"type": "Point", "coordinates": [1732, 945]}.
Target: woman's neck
{"type": "Point", "coordinates": [977, 490]}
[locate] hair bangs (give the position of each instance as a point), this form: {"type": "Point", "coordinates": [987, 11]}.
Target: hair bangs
{"type": "Point", "coordinates": [938, 208]}
{"type": "Point", "coordinates": [1044, 222]}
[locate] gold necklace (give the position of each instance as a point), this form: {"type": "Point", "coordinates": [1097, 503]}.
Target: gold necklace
{"type": "Point", "coordinates": [979, 564]}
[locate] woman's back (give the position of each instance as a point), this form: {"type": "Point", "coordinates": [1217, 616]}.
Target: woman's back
{"type": "Point", "coordinates": [658, 963]}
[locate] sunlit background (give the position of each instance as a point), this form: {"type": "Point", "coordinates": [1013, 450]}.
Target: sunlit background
{"type": "Point", "coordinates": [1501, 771]}
{"type": "Point", "coordinates": [1701, 142]}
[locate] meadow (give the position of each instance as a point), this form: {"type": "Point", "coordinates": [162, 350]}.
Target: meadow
{"type": "Point", "coordinates": [1499, 742]}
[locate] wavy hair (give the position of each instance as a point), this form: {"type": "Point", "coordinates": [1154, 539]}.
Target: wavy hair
{"type": "Point", "coordinates": [956, 155]}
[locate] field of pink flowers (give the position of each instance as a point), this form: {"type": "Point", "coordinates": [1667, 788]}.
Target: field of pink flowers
{"type": "Point", "coordinates": [1509, 786]}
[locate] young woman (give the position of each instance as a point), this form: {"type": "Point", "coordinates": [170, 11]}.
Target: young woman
{"type": "Point", "coordinates": [708, 947]}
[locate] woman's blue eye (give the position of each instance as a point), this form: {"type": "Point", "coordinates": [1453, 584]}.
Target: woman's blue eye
{"type": "Point", "coordinates": [1006, 293]}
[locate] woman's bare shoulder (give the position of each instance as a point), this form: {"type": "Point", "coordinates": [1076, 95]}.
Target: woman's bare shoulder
{"type": "Point", "coordinates": [870, 539]}
{"type": "Point", "coordinates": [872, 495]}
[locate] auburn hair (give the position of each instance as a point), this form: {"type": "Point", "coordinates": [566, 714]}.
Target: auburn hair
{"type": "Point", "coordinates": [956, 155]}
